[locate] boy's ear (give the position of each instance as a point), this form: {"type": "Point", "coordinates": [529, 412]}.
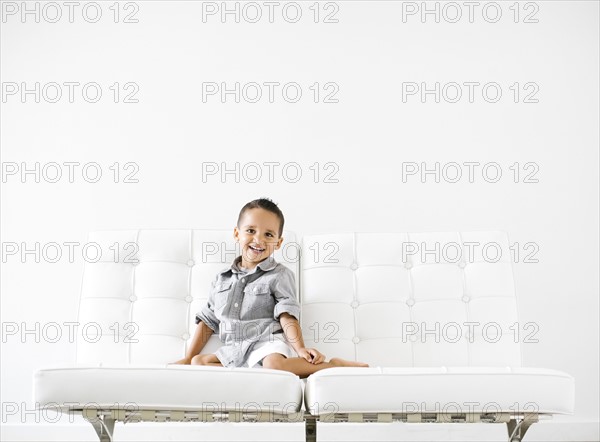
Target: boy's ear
{"type": "Point", "coordinates": [279, 243]}
{"type": "Point", "coordinates": [236, 234]}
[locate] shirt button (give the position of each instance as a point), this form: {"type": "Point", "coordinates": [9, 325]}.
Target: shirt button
{"type": "Point", "coordinates": [243, 279]}
{"type": "Point", "coordinates": [236, 304]}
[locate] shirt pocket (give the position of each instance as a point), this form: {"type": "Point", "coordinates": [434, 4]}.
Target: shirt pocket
{"type": "Point", "coordinates": [221, 291]}
{"type": "Point", "coordinates": [258, 301]}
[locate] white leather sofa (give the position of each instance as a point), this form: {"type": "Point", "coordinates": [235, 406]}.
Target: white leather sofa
{"type": "Point", "coordinates": [371, 297]}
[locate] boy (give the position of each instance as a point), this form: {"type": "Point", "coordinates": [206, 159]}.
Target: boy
{"type": "Point", "coordinates": [253, 305]}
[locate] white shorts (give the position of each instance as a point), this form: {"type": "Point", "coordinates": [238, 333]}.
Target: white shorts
{"type": "Point", "coordinates": [277, 343]}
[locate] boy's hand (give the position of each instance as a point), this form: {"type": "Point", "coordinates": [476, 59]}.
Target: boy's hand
{"type": "Point", "coordinates": [312, 355]}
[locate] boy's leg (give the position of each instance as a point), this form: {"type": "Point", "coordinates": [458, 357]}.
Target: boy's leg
{"type": "Point", "coordinates": [301, 367]}
{"type": "Point", "coordinates": [207, 359]}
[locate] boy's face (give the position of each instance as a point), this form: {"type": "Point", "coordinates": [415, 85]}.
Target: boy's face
{"type": "Point", "coordinates": [258, 235]}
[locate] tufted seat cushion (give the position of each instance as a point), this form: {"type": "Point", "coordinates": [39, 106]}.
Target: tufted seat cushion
{"type": "Point", "coordinates": [138, 302]}
{"type": "Point", "coordinates": [168, 387]}
{"type": "Point", "coordinates": [437, 309]}
{"type": "Point", "coordinates": [441, 389]}
{"type": "Point", "coordinates": [412, 299]}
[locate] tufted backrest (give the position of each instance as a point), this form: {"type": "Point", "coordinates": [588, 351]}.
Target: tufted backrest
{"type": "Point", "coordinates": [141, 290]}
{"type": "Point", "coordinates": [411, 299]}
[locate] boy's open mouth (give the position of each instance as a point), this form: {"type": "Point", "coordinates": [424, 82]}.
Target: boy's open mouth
{"type": "Point", "coordinates": [256, 249]}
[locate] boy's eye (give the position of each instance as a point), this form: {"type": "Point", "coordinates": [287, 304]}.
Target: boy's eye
{"type": "Point", "coordinates": [252, 231]}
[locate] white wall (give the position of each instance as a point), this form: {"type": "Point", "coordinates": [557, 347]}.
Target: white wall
{"type": "Point", "coordinates": [367, 134]}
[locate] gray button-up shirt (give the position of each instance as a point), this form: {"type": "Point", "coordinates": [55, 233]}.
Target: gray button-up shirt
{"type": "Point", "coordinates": [244, 306]}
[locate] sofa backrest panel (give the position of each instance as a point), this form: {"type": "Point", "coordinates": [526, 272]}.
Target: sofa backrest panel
{"type": "Point", "coordinates": [411, 299]}
{"type": "Point", "coordinates": [139, 298]}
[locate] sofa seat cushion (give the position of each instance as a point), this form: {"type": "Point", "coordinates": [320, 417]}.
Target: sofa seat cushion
{"type": "Point", "coordinates": [168, 387]}
{"type": "Point", "coordinates": [441, 389]}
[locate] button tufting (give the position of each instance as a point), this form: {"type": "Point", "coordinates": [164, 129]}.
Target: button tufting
{"type": "Point", "coordinates": [191, 263]}
{"type": "Point", "coordinates": [356, 339]}
{"type": "Point", "coordinates": [408, 265]}
{"type": "Point", "coordinates": [354, 304]}
{"type": "Point", "coordinates": [466, 298]}
{"type": "Point", "coordinates": [133, 298]}
{"type": "Point", "coordinates": [462, 264]}
{"type": "Point", "coordinates": [412, 338]}
{"type": "Point", "coordinates": [410, 302]}
{"type": "Point", "coordinates": [354, 266]}
{"type": "Point", "coordinates": [188, 298]}
{"type": "Point", "coordinates": [185, 336]}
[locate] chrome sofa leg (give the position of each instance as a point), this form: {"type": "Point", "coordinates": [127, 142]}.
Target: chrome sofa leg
{"type": "Point", "coordinates": [517, 429]}
{"type": "Point", "coordinates": [310, 428]}
{"type": "Point", "coordinates": [104, 428]}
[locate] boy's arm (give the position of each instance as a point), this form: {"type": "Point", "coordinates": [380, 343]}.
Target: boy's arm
{"type": "Point", "coordinates": [201, 337]}
{"type": "Point", "coordinates": [207, 324]}
{"type": "Point", "coordinates": [293, 333]}
{"type": "Point", "coordinates": [287, 310]}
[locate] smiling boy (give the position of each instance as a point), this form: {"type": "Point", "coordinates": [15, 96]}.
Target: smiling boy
{"type": "Point", "coordinates": [253, 306]}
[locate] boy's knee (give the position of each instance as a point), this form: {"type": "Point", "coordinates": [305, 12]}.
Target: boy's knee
{"type": "Point", "coordinates": [274, 361]}
{"type": "Point", "coordinates": [198, 360]}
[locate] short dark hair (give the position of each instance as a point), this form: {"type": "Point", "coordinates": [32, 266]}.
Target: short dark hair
{"type": "Point", "coordinates": [263, 203]}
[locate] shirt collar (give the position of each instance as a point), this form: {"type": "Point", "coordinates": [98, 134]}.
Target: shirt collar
{"type": "Point", "coordinates": [266, 265]}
